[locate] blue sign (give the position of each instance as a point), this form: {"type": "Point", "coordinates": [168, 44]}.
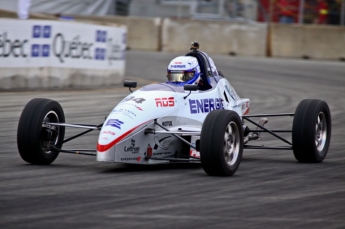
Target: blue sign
{"type": "Point", "coordinates": [205, 105]}
{"type": "Point", "coordinates": [101, 36]}
{"type": "Point", "coordinates": [40, 31]}
{"type": "Point", "coordinates": [100, 53]}
{"type": "Point", "coordinates": [47, 31]}
{"type": "Point", "coordinates": [115, 123]}
{"type": "Point", "coordinates": [36, 31]}
{"type": "Point", "coordinates": [45, 50]}
{"type": "Point", "coordinates": [35, 50]}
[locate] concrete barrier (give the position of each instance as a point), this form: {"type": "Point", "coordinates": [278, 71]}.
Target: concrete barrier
{"type": "Point", "coordinates": [215, 36]}
{"type": "Point", "coordinates": [307, 41]}
{"type": "Point", "coordinates": [51, 77]}
{"type": "Point", "coordinates": [143, 33]}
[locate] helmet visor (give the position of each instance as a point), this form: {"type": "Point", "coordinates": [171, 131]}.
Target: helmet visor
{"type": "Point", "coordinates": [180, 76]}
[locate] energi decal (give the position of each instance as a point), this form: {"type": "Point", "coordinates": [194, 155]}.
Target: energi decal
{"type": "Point", "coordinates": [205, 105]}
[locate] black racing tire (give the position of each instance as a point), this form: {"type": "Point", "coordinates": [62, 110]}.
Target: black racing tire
{"type": "Point", "coordinates": [32, 139]}
{"type": "Point", "coordinates": [311, 131]}
{"type": "Point", "coordinates": [221, 143]}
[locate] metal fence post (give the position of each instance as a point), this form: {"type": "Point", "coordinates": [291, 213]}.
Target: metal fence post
{"type": "Point", "coordinates": [342, 13]}
{"type": "Point", "coordinates": [301, 12]}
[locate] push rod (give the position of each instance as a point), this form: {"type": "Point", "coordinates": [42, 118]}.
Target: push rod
{"type": "Point", "coordinates": [264, 128]}
{"type": "Point", "coordinates": [268, 115]}
{"type": "Point", "coordinates": [80, 134]}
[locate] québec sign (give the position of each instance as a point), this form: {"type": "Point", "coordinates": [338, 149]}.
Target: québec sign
{"type": "Point", "coordinates": [38, 43]}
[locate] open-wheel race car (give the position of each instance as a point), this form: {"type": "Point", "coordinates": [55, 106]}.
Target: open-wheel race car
{"type": "Point", "coordinates": [196, 116]}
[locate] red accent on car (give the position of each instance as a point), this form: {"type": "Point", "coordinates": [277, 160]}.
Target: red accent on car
{"type": "Point", "coordinates": [149, 151]}
{"type": "Point", "coordinates": [103, 148]}
{"type": "Point", "coordinates": [246, 112]}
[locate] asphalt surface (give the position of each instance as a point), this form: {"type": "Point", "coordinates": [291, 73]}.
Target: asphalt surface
{"type": "Point", "coordinates": [269, 190]}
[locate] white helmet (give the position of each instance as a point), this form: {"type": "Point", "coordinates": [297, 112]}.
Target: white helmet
{"type": "Point", "coordinates": [183, 70]}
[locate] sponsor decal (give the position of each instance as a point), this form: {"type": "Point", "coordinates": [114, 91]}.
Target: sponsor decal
{"type": "Point", "coordinates": [162, 153]}
{"type": "Point", "coordinates": [131, 159]}
{"type": "Point", "coordinates": [132, 148]}
{"type": "Point", "coordinates": [139, 108]}
{"type": "Point", "coordinates": [245, 105]}
{"type": "Point", "coordinates": [178, 66]}
{"type": "Point", "coordinates": [231, 92]}
{"type": "Point", "coordinates": [132, 98]}
{"type": "Point", "coordinates": [126, 112]}
{"type": "Point", "coordinates": [163, 143]}
{"type": "Point", "coordinates": [108, 132]}
{"type": "Point", "coordinates": [205, 105]}
{"type": "Point", "coordinates": [178, 62]}
{"type": "Point", "coordinates": [115, 123]}
{"type": "Point", "coordinates": [167, 123]}
{"type": "Point", "coordinates": [236, 106]}
{"type": "Point", "coordinates": [165, 102]}
{"type": "Point", "coordinates": [194, 153]}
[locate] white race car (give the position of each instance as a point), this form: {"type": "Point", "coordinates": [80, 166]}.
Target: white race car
{"type": "Point", "coordinates": [189, 122]}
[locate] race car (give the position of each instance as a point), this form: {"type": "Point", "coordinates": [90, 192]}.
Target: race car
{"type": "Point", "coordinates": [194, 117]}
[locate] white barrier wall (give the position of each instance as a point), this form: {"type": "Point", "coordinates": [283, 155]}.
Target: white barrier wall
{"type": "Point", "coordinates": [50, 54]}
{"type": "Point", "coordinates": [215, 36]}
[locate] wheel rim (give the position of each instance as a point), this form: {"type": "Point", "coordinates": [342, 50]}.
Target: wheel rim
{"type": "Point", "coordinates": [231, 143]}
{"type": "Point", "coordinates": [50, 134]}
{"type": "Point", "coordinates": [320, 132]}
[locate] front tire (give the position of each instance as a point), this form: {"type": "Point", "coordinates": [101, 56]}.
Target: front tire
{"type": "Point", "coordinates": [311, 131]}
{"type": "Point", "coordinates": [221, 143]}
{"type": "Point", "coordinates": [34, 139]}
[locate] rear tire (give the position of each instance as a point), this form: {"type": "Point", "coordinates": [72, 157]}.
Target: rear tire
{"type": "Point", "coordinates": [311, 131]}
{"type": "Point", "coordinates": [33, 140]}
{"type": "Point", "coordinates": [221, 143]}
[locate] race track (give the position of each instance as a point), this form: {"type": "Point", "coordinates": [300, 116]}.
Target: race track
{"type": "Point", "coordinates": [270, 189]}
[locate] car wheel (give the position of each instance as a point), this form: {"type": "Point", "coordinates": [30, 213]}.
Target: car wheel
{"type": "Point", "coordinates": [221, 143]}
{"type": "Point", "coordinates": [311, 131]}
{"type": "Point", "coordinates": [34, 139]}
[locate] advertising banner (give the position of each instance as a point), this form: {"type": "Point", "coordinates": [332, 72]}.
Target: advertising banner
{"type": "Point", "coordinates": [43, 43]}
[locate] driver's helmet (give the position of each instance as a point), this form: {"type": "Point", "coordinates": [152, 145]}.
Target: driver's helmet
{"type": "Point", "coordinates": [184, 70]}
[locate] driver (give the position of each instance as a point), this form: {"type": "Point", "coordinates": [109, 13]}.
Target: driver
{"type": "Point", "coordinates": [184, 70]}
